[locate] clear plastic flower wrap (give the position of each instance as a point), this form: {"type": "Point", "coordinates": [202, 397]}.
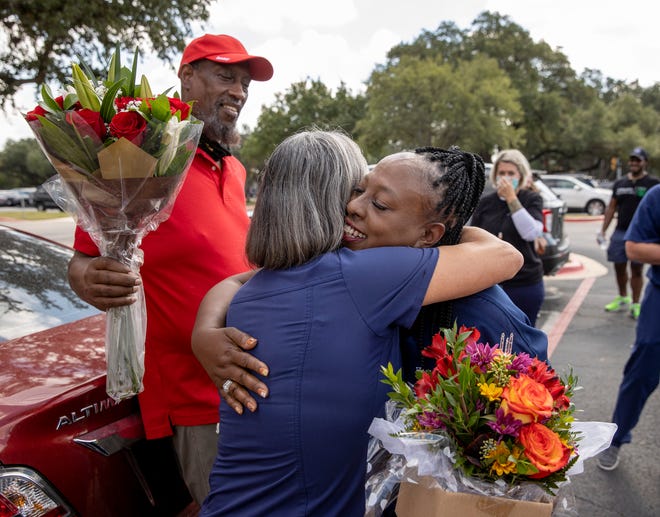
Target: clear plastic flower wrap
{"type": "Point", "coordinates": [121, 155]}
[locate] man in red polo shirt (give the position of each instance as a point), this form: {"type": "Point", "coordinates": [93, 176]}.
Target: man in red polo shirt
{"type": "Point", "coordinates": [201, 243]}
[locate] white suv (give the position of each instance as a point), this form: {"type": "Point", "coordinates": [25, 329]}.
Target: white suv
{"type": "Point", "coordinates": [578, 193]}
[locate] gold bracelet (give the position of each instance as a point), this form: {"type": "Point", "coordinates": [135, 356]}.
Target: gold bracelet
{"type": "Point", "coordinates": [514, 205]}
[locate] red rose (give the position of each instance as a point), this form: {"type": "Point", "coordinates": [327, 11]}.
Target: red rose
{"type": "Point", "coordinates": [179, 105]}
{"type": "Point", "coordinates": [122, 102]}
{"type": "Point", "coordinates": [87, 122]}
{"type": "Point", "coordinates": [38, 110]}
{"type": "Point", "coordinates": [130, 125]}
{"type": "Point", "coordinates": [32, 115]}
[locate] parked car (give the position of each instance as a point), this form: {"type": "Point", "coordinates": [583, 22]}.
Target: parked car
{"type": "Point", "coordinates": [558, 248]}
{"type": "Point", "coordinates": [7, 198]}
{"type": "Point", "coordinates": [41, 199]}
{"type": "Point", "coordinates": [24, 196]}
{"type": "Point", "coordinates": [578, 193]}
{"type": "Point", "coordinates": [66, 448]}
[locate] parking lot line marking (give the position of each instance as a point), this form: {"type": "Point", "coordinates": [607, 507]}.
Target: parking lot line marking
{"type": "Point", "coordinates": [566, 316]}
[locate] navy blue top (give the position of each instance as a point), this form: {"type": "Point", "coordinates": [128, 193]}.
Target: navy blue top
{"type": "Point", "coordinates": [493, 313]}
{"type": "Point", "coordinates": [324, 330]}
{"type": "Point", "coordinates": [645, 227]}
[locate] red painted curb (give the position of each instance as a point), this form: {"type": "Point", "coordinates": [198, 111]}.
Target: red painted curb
{"type": "Point", "coordinates": [571, 267]}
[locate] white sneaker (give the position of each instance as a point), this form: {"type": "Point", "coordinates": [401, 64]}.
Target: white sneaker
{"type": "Point", "coordinates": [609, 458]}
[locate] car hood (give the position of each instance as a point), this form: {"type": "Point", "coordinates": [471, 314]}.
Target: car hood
{"type": "Point", "coordinates": [39, 367]}
{"type": "Point", "coordinates": [603, 191]}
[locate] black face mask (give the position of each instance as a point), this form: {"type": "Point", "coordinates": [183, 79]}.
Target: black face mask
{"type": "Point", "coordinates": [215, 149]}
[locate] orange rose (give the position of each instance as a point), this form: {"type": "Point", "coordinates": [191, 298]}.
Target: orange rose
{"type": "Point", "coordinates": [526, 399]}
{"type": "Point", "coordinates": [544, 449]}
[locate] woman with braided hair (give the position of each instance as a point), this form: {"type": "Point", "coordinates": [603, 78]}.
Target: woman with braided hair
{"type": "Point", "coordinates": [327, 317]}
{"type": "Point", "coordinates": [446, 185]}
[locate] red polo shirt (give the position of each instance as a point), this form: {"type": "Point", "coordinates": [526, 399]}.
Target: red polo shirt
{"type": "Point", "coordinates": [200, 244]}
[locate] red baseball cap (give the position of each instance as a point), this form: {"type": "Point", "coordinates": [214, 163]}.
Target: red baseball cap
{"type": "Point", "coordinates": [223, 49]}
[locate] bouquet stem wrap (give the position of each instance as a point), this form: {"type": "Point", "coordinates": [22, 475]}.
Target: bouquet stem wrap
{"type": "Point", "coordinates": [117, 206]}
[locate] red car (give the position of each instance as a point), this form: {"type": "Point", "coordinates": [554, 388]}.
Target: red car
{"type": "Point", "coordinates": [66, 448]}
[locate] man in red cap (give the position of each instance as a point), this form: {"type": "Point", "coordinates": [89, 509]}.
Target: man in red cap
{"type": "Point", "coordinates": [201, 243]}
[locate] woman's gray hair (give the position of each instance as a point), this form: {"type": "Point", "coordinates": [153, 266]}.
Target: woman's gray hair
{"type": "Point", "coordinates": [303, 192]}
{"type": "Point", "coordinates": [516, 158]}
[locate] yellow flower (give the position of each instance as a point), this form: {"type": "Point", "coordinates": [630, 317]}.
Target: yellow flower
{"type": "Point", "coordinates": [504, 460]}
{"type": "Point", "coordinates": [491, 391]}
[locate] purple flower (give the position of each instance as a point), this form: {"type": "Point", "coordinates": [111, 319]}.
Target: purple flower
{"type": "Point", "coordinates": [505, 424]}
{"type": "Point", "coordinates": [521, 363]}
{"type": "Point", "coordinates": [480, 354]}
{"type": "Point", "coordinates": [430, 420]}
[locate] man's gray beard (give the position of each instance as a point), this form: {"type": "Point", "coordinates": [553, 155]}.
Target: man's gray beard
{"type": "Point", "coordinates": [216, 130]}
{"type": "Point", "coordinates": [226, 135]}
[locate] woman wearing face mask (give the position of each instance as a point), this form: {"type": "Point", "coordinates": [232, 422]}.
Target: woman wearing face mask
{"type": "Point", "coordinates": [515, 214]}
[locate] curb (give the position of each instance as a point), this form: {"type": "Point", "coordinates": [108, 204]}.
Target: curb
{"type": "Point", "coordinates": [571, 266]}
{"type": "Point", "coordinates": [582, 218]}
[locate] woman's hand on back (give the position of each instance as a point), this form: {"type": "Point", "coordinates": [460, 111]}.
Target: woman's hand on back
{"type": "Point", "coordinates": [221, 351]}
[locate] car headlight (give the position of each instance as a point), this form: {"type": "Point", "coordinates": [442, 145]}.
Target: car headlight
{"type": "Point", "coordinates": [24, 493]}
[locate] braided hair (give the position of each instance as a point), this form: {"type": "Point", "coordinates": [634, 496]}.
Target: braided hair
{"type": "Point", "coordinates": [456, 181]}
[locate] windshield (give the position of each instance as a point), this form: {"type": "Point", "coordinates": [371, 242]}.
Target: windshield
{"type": "Point", "coordinates": [34, 290]}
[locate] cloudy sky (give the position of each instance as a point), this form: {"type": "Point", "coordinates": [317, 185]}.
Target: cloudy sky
{"type": "Point", "coordinates": [342, 40]}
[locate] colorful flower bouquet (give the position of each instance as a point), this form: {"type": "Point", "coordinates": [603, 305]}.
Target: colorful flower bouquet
{"type": "Point", "coordinates": [487, 421]}
{"type": "Point", "coordinates": [121, 154]}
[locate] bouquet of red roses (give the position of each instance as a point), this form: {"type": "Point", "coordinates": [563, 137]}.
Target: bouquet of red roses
{"type": "Point", "coordinates": [121, 154]}
{"type": "Point", "coordinates": [485, 420]}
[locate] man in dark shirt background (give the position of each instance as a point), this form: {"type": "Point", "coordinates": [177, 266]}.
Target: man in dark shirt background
{"type": "Point", "coordinates": [627, 192]}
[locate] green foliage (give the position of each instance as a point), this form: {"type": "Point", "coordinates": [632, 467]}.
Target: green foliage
{"type": "Point", "coordinates": [42, 37]}
{"type": "Point", "coordinates": [417, 102]}
{"type": "Point", "coordinates": [305, 104]}
{"type": "Point", "coordinates": [23, 164]}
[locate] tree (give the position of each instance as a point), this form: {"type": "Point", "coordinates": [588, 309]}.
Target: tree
{"type": "Point", "coordinates": [564, 117]}
{"type": "Point", "coordinates": [416, 102]}
{"type": "Point", "coordinates": [23, 164]}
{"type": "Point", "coordinates": [305, 104]}
{"type": "Point", "coordinates": [39, 38]}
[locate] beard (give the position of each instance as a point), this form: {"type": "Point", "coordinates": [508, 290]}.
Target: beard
{"type": "Point", "coordinates": [217, 130]}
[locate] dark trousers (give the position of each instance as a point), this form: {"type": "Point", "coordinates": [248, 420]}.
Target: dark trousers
{"type": "Point", "coordinates": [641, 374]}
{"type": "Point", "coordinates": [528, 298]}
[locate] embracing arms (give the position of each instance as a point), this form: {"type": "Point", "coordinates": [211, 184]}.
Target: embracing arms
{"type": "Point", "coordinates": [480, 261]}
{"type": "Point", "coordinates": [221, 351]}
